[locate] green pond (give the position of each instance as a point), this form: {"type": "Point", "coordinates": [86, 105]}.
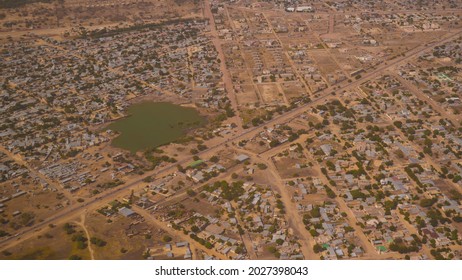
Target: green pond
{"type": "Point", "coordinates": [149, 125]}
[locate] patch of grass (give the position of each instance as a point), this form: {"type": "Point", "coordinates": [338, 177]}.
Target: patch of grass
{"type": "Point", "coordinates": [42, 253]}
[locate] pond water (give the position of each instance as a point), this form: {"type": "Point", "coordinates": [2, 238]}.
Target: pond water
{"type": "Point", "coordinates": [152, 124]}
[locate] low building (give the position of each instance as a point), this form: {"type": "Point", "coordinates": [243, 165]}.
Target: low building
{"type": "Point", "coordinates": [126, 212]}
{"type": "Point", "coordinates": [242, 158]}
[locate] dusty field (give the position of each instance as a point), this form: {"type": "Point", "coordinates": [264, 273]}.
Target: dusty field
{"type": "Point", "coordinates": [121, 233]}
{"type": "Point", "coordinates": [326, 64]}
{"type": "Point", "coordinates": [256, 147]}
{"type": "Point", "coordinates": [271, 94]}
{"type": "Point", "coordinates": [287, 169]}
{"type": "Point", "coordinates": [293, 90]}
{"type": "Point", "coordinates": [248, 96]}
{"type": "Point", "coordinates": [60, 18]}
{"type": "Point", "coordinates": [54, 245]}
{"type": "Point", "coordinates": [240, 75]}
